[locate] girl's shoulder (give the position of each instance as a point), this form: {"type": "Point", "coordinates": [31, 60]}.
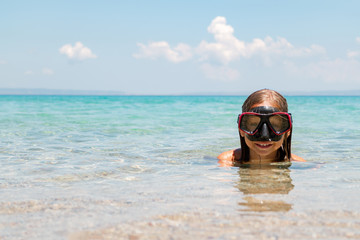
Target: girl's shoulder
{"type": "Point", "coordinates": [227, 158]}
{"type": "Point", "coordinates": [230, 155]}
{"type": "Point", "coordinates": [296, 158]}
{"type": "Point", "coordinates": [235, 154]}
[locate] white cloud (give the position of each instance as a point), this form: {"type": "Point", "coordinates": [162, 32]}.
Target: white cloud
{"type": "Point", "coordinates": [78, 51]}
{"type": "Point", "coordinates": [215, 57]}
{"type": "Point", "coordinates": [344, 71]}
{"type": "Point", "coordinates": [154, 50]}
{"type": "Point", "coordinates": [44, 71]}
{"type": "Point", "coordinates": [223, 73]}
{"type": "Point", "coordinates": [358, 39]}
{"type": "Point", "coordinates": [338, 70]}
{"type": "Point", "coordinates": [2, 62]}
{"type": "Point", "coordinates": [47, 71]}
{"type": "Point", "coordinates": [354, 54]}
{"type": "Point", "coordinates": [226, 47]}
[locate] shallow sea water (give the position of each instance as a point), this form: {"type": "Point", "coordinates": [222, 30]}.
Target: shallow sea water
{"type": "Point", "coordinates": [131, 167]}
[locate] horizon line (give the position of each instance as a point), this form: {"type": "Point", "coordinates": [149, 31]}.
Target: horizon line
{"type": "Point", "coordinates": [74, 92]}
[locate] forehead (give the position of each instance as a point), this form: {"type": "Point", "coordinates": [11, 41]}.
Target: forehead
{"type": "Point", "coordinates": [265, 103]}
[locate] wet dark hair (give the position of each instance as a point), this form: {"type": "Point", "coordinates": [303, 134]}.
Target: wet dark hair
{"type": "Point", "coordinates": [278, 101]}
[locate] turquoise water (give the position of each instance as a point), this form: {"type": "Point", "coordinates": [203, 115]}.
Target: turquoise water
{"type": "Point", "coordinates": [144, 167]}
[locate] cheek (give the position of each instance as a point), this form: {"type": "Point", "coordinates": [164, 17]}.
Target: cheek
{"type": "Point", "coordinates": [280, 142]}
{"type": "Point", "coordinates": [249, 143]}
{"type": "Point", "coordinates": [241, 133]}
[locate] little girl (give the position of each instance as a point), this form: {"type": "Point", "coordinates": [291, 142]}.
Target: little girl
{"type": "Point", "coordinates": [265, 129]}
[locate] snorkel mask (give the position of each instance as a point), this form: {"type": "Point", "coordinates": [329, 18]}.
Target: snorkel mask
{"type": "Point", "coordinates": [264, 123]}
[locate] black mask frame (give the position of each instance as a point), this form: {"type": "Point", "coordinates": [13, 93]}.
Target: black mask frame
{"type": "Point", "coordinates": [264, 130]}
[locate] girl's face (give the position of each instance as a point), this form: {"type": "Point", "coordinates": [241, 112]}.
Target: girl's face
{"type": "Point", "coordinates": [265, 151]}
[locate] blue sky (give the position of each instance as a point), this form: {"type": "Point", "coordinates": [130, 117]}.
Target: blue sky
{"type": "Point", "coordinates": [176, 47]}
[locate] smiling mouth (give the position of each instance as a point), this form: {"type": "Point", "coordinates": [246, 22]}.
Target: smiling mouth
{"type": "Point", "coordinates": [263, 145]}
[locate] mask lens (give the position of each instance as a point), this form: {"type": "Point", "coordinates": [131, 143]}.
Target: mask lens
{"type": "Point", "coordinates": [249, 123]}
{"type": "Point", "coordinates": [279, 122]}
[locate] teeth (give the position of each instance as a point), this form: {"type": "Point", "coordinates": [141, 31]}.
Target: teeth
{"type": "Point", "coordinates": [264, 145]}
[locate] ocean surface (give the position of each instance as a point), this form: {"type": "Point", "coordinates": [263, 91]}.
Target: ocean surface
{"type": "Point", "coordinates": [145, 167]}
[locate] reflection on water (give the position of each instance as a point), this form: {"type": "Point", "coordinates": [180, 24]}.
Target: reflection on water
{"type": "Point", "coordinates": [264, 179]}
{"type": "Point", "coordinates": [257, 205]}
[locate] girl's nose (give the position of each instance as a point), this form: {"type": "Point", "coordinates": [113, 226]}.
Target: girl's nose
{"type": "Point", "coordinates": [264, 132]}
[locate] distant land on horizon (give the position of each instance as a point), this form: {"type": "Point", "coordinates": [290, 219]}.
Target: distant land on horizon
{"type": "Point", "coordinates": [44, 91]}
{"type": "Point", "coordinates": [41, 91]}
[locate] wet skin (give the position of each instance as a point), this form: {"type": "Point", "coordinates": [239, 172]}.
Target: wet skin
{"type": "Point", "coordinates": [260, 151]}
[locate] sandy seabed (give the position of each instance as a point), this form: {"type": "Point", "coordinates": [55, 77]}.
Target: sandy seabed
{"type": "Point", "coordinates": [320, 224]}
